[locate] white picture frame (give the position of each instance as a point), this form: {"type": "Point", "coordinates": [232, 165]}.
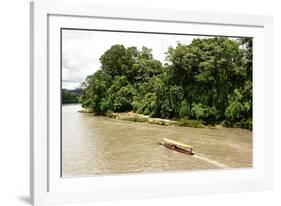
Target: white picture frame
{"type": "Point", "coordinates": [47, 186]}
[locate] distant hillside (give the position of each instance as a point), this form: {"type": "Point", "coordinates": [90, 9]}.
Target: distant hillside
{"type": "Point", "coordinates": [71, 96]}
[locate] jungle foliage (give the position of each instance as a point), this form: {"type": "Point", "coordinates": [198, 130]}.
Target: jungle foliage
{"type": "Point", "coordinates": [71, 96]}
{"type": "Point", "coordinates": [208, 80]}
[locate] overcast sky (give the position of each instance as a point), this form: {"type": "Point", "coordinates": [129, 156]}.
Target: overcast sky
{"type": "Point", "coordinates": [81, 50]}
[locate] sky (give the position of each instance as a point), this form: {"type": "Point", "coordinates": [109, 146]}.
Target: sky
{"type": "Point", "coordinates": [81, 50]}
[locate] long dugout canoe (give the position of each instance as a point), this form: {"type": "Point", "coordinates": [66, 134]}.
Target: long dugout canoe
{"type": "Point", "coordinates": [177, 146]}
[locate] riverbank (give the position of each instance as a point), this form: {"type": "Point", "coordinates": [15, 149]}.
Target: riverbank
{"type": "Point", "coordinates": [135, 117]}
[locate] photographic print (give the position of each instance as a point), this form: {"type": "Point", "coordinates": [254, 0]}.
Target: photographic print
{"type": "Point", "coordinates": [142, 102]}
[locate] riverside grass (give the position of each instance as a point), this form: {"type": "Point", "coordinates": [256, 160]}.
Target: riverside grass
{"type": "Point", "coordinates": [183, 122]}
{"type": "Point", "coordinates": [135, 117]}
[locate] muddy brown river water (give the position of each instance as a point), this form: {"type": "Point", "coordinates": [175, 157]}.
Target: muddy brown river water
{"type": "Point", "coordinates": [96, 145]}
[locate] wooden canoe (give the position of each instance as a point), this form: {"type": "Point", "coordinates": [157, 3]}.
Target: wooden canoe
{"type": "Point", "coordinates": [177, 146]}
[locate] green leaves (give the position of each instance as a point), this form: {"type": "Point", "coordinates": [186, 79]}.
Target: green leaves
{"type": "Point", "coordinates": [184, 109]}
{"type": "Point", "coordinates": [240, 104]}
{"type": "Point", "coordinates": [207, 80]}
{"type": "Point", "coordinates": [70, 96]}
{"type": "Point", "coordinates": [203, 112]}
{"type": "Point", "coordinates": [120, 95]}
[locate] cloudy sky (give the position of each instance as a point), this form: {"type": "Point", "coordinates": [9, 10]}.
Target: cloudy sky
{"type": "Point", "coordinates": [82, 49]}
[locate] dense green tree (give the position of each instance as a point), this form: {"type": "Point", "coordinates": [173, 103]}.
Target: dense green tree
{"type": "Point", "coordinates": [94, 91]}
{"type": "Point", "coordinates": [240, 104]}
{"type": "Point", "coordinates": [70, 96]}
{"type": "Point", "coordinates": [212, 67]}
{"type": "Point", "coordinates": [209, 79]}
{"type": "Point", "coordinates": [120, 95]}
{"type": "Point", "coordinates": [117, 60]}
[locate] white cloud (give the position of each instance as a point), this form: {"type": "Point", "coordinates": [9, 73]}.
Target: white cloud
{"type": "Point", "coordinates": [81, 50]}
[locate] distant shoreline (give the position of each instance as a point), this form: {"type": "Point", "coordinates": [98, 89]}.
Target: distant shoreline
{"type": "Point", "coordinates": [64, 104]}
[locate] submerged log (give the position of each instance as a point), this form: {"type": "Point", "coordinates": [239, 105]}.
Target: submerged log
{"type": "Point", "coordinates": [177, 146]}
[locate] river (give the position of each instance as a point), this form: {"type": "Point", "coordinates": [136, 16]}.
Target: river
{"type": "Point", "coordinates": [96, 145]}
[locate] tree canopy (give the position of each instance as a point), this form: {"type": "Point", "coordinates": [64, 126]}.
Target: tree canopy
{"type": "Point", "coordinates": [70, 96]}
{"type": "Point", "coordinates": [210, 80]}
